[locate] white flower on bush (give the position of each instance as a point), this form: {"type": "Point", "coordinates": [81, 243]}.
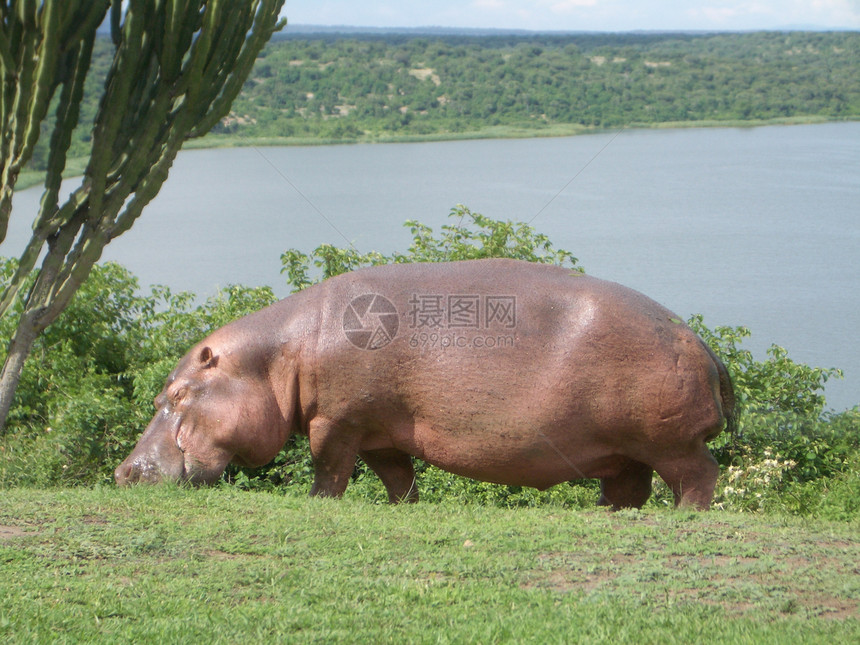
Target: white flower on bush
{"type": "Point", "coordinates": [749, 487]}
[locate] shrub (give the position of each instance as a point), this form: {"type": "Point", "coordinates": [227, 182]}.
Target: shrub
{"type": "Point", "coordinates": [88, 386]}
{"type": "Point", "coordinates": [840, 498]}
{"type": "Point", "coordinates": [782, 410]}
{"type": "Point", "coordinates": [473, 236]}
{"type": "Point", "coordinates": [754, 485]}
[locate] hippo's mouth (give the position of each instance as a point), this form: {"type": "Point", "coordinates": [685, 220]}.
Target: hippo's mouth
{"type": "Point", "coordinates": [198, 474]}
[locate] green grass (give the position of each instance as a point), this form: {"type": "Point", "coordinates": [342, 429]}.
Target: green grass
{"type": "Point", "coordinates": [168, 564]}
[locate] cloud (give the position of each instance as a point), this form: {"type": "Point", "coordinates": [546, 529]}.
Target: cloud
{"type": "Point", "coordinates": [611, 15]}
{"type": "Point", "coordinates": [846, 11]}
{"type": "Point", "coordinates": [565, 6]}
{"type": "Point", "coordinates": [744, 14]}
{"type": "Point", "coordinates": [489, 4]}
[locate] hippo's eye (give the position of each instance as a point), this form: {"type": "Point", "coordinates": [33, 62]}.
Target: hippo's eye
{"type": "Point", "coordinates": [177, 396]}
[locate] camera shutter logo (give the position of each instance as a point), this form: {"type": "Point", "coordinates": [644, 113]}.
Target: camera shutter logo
{"type": "Point", "coordinates": [370, 321]}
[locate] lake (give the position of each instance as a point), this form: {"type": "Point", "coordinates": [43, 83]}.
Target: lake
{"type": "Point", "coordinates": [756, 226]}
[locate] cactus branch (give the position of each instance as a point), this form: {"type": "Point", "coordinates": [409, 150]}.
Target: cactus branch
{"type": "Point", "coordinates": [177, 67]}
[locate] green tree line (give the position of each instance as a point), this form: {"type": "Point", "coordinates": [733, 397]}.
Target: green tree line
{"type": "Point", "coordinates": [347, 88]}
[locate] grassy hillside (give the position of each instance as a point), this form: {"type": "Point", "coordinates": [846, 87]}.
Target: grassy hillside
{"type": "Point", "coordinates": [167, 564]}
{"type": "Point", "coordinates": [377, 87]}
{"type": "Point", "coordinates": [311, 88]}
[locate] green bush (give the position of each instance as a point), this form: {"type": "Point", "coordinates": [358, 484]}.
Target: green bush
{"type": "Point", "coordinates": [87, 388]}
{"type": "Point", "coordinates": [840, 496]}
{"type": "Point", "coordinates": [782, 411]}
{"type": "Point", "coordinates": [73, 410]}
{"type": "Point", "coordinates": [472, 236]}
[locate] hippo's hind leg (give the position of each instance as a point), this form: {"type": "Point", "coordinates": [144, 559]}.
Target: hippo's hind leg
{"type": "Point", "coordinates": [395, 469]}
{"type": "Point", "coordinates": [692, 477]}
{"type": "Point", "coordinates": [630, 488]}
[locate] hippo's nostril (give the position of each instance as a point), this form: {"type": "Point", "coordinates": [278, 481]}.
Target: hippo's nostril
{"type": "Point", "coordinates": [123, 474]}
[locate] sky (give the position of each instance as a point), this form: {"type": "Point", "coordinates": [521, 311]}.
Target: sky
{"type": "Point", "coordinates": [580, 15]}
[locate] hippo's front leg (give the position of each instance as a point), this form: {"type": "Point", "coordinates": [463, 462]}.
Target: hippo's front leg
{"type": "Point", "coordinates": [333, 450]}
{"type": "Point", "coordinates": [395, 469]}
{"type": "Point", "coordinates": [630, 488]}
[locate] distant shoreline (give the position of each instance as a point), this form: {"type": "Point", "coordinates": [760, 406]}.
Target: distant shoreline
{"type": "Point", "coordinates": [76, 166]}
{"type": "Point", "coordinates": [501, 132]}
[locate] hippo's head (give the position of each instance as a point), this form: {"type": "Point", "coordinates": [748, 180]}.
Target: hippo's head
{"type": "Point", "coordinates": [218, 406]}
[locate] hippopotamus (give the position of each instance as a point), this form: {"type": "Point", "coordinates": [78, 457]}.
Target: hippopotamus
{"type": "Point", "coordinates": [499, 370]}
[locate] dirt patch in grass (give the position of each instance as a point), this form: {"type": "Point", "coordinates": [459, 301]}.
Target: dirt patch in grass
{"type": "Point", "coordinates": [224, 555]}
{"type": "Point", "coordinates": [566, 582]}
{"type": "Point", "coordinates": [739, 584]}
{"type": "Point", "coordinates": [836, 609]}
{"type": "Point", "coordinates": [566, 572]}
{"type": "Point", "coordinates": [10, 532]}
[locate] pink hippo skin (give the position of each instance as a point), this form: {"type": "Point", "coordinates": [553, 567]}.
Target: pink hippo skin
{"type": "Point", "coordinates": [498, 370]}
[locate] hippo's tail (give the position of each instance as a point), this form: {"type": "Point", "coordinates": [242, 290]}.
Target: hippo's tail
{"type": "Point", "coordinates": [727, 393]}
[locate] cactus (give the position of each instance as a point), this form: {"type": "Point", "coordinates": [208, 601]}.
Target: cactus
{"type": "Point", "coordinates": [177, 67]}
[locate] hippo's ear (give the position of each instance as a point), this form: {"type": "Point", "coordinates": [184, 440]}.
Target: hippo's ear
{"type": "Point", "coordinates": [207, 358]}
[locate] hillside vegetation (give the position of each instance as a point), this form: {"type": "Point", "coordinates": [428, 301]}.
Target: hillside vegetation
{"type": "Point", "coordinates": [327, 88]}
{"type": "Point", "coordinates": [333, 88]}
